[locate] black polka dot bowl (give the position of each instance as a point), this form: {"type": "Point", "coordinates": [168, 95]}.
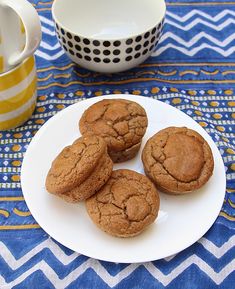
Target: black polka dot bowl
{"type": "Point", "coordinates": [107, 35]}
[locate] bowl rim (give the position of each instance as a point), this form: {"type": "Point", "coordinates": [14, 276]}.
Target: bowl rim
{"type": "Point", "coordinates": [106, 39]}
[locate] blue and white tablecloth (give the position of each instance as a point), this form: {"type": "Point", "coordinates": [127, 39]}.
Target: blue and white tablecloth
{"type": "Point", "coordinates": [192, 69]}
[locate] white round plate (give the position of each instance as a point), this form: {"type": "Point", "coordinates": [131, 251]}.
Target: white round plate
{"type": "Point", "coordinates": [182, 219]}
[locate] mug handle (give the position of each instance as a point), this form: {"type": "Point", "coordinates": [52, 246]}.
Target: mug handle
{"type": "Point", "coordinates": [31, 22]}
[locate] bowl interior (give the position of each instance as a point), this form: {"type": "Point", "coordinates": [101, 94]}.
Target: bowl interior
{"type": "Point", "coordinates": [108, 19]}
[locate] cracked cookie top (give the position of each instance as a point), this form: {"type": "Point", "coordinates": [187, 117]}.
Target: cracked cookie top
{"type": "Point", "coordinates": [75, 163]}
{"type": "Point", "coordinates": [126, 204]}
{"type": "Point", "coordinates": [122, 123]}
{"type": "Point", "coordinates": [178, 159]}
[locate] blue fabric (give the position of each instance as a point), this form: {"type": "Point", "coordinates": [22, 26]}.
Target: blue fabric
{"type": "Point", "coordinates": [193, 70]}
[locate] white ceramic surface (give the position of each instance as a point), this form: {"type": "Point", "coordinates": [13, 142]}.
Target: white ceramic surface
{"type": "Point", "coordinates": [108, 35]}
{"type": "Point", "coordinates": [20, 32]}
{"type": "Point", "coordinates": [108, 19]}
{"type": "Point", "coordinates": [182, 219]}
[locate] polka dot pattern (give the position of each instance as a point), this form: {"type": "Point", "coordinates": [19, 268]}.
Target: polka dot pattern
{"type": "Point", "coordinates": [112, 51]}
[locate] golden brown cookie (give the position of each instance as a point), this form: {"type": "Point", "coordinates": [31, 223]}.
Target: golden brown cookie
{"type": "Point", "coordinates": [178, 160]}
{"type": "Point", "coordinates": [125, 205]}
{"type": "Point", "coordinates": [122, 123]}
{"type": "Point", "coordinates": [80, 169]}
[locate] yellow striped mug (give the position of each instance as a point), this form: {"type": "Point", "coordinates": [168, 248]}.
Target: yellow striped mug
{"type": "Point", "coordinates": [20, 32]}
{"type": "Point", "coordinates": [18, 93]}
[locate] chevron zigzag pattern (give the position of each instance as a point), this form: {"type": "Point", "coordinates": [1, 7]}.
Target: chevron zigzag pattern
{"type": "Point", "coordinates": [196, 12]}
{"type": "Point", "coordinates": [195, 50]}
{"type": "Point", "coordinates": [197, 21]}
{"type": "Point", "coordinates": [196, 38]}
{"type": "Point", "coordinates": [180, 25]}
{"type": "Point", "coordinates": [46, 56]}
{"type": "Point", "coordinates": [99, 269]}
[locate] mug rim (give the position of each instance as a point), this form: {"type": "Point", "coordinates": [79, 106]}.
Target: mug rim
{"type": "Point", "coordinates": [15, 67]}
{"type": "Point", "coordinates": [131, 35]}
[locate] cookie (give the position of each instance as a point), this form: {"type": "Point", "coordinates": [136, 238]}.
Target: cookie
{"type": "Point", "coordinates": [125, 205]}
{"type": "Point", "coordinates": [122, 123]}
{"type": "Point", "coordinates": [178, 160]}
{"type": "Point", "coordinates": [80, 169]}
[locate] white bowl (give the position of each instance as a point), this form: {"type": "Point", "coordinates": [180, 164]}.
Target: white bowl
{"type": "Point", "coordinates": [109, 35]}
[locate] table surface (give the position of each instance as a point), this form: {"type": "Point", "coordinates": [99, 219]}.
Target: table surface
{"type": "Point", "coordinates": [193, 69]}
